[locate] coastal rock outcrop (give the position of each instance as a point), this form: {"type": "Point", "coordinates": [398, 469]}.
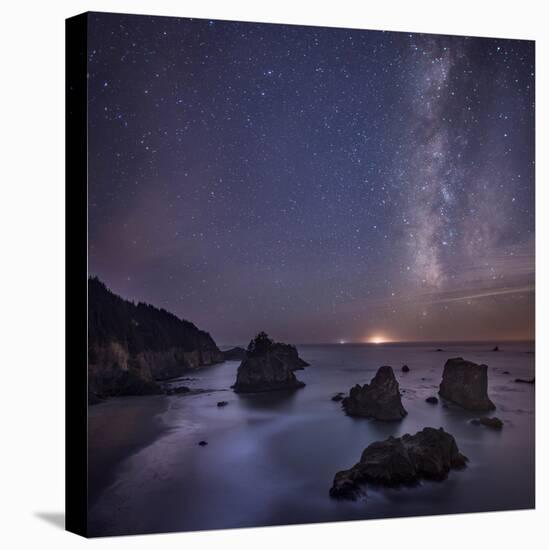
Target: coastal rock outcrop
{"type": "Point", "coordinates": [380, 399]}
{"type": "Point", "coordinates": [268, 366]}
{"type": "Point", "coordinates": [466, 384]}
{"type": "Point", "coordinates": [133, 346]}
{"type": "Point", "coordinates": [290, 356]}
{"type": "Point", "coordinates": [429, 454]}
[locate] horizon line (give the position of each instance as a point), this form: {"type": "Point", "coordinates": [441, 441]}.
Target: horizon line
{"type": "Point", "coordinates": [358, 343]}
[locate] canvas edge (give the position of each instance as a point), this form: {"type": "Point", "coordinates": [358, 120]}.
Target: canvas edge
{"type": "Point", "coordinates": [76, 275]}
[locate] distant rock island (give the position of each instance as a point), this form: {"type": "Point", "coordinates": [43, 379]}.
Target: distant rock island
{"type": "Point", "coordinates": [380, 399]}
{"type": "Point", "coordinates": [234, 354]}
{"type": "Point", "coordinates": [429, 454]}
{"type": "Point", "coordinates": [133, 346]}
{"type": "Point", "coordinates": [466, 384]}
{"type": "Point", "coordinates": [268, 366]}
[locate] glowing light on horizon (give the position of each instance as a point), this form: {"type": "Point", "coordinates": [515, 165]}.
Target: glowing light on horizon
{"type": "Point", "coordinates": [377, 339]}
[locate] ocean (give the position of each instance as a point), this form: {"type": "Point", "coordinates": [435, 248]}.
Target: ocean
{"type": "Point", "coordinates": [270, 459]}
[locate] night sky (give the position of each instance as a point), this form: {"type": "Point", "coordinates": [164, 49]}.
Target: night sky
{"type": "Point", "coordinates": [323, 185]}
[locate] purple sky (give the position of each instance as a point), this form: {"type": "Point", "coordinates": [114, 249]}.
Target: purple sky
{"type": "Point", "coordinates": [319, 184]}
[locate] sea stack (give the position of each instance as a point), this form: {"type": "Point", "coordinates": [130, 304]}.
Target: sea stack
{"type": "Point", "coordinates": [268, 366]}
{"type": "Point", "coordinates": [466, 384]}
{"type": "Point", "coordinates": [380, 399]}
{"type": "Point", "coordinates": [429, 454]}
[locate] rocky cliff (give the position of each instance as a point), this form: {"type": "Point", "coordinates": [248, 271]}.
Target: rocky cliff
{"type": "Point", "coordinates": [132, 346]}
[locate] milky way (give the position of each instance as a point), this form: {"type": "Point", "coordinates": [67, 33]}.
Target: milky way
{"type": "Point", "coordinates": [319, 184]}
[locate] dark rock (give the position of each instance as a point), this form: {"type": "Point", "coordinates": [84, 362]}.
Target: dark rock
{"type": "Point", "coordinates": [525, 381]}
{"type": "Point", "coordinates": [429, 454]}
{"type": "Point", "coordinates": [506, 372]}
{"type": "Point", "coordinates": [439, 349]}
{"type": "Point", "coordinates": [465, 383]}
{"type": "Point", "coordinates": [288, 354]}
{"type": "Point", "coordinates": [234, 354]}
{"type": "Point", "coordinates": [202, 443]}
{"type": "Point", "coordinates": [338, 397]}
{"type": "Point", "coordinates": [493, 422]}
{"type": "Point", "coordinates": [405, 368]}
{"type": "Point", "coordinates": [267, 367]}
{"type": "Point", "coordinates": [222, 403]}
{"type": "Point", "coordinates": [495, 348]}
{"type": "Point", "coordinates": [380, 399]}
{"type": "Point", "coordinates": [433, 400]}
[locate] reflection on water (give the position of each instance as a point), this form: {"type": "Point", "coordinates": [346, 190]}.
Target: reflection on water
{"type": "Point", "coordinates": [271, 458]}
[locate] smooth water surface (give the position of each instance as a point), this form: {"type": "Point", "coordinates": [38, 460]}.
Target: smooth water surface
{"type": "Point", "coordinates": [271, 458]}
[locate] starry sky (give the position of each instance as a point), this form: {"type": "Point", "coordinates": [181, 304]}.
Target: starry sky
{"type": "Point", "coordinates": [323, 185]}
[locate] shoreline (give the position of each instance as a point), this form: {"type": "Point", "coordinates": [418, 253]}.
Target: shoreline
{"type": "Point", "coordinates": [117, 428]}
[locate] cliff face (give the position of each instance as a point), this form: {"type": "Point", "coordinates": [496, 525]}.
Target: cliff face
{"type": "Point", "coordinates": [132, 346]}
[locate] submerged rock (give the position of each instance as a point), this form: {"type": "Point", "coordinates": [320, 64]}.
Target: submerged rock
{"type": "Point", "coordinates": [429, 454]}
{"type": "Point", "coordinates": [338, 396]}
{"type": "Point", "coordinates": [493, 422]}
{"type": "Point", "coordinates": [524, 381]}
{"type": "Point", "coordinates": [495, 348]}
{"type": "Point", "coordinates": [433, 400]}
{"type": "Point", "coordinates": [405, 368]}
{"type": "Point", "coordinates": [380, 399]}
{"type": "Point", "coordinates": [202, 443]}
{"type": "Point", "coordinates": [465, 383]}
{"type": "Point", "coordinates": [222, 403]}
{"type": "Point", "coordinates": [234, 354]}
{"type": "Point", "coordinates": [268, 366]}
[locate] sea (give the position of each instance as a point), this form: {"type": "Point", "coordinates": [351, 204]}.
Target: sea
{"type": "Point", "coordinates": [270, 458]}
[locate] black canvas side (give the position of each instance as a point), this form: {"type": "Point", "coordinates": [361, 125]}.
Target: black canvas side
{"type": "Point", "coordinates": [76, 398]}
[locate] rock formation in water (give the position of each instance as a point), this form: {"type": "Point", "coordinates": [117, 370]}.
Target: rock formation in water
{"type": "Point", "coordinates": [494, 422]}
{"type": "Point", "coordinates": [380, 399]}
{"type": "Point", "coordinates": [465, 383]}
{"type": "Point", "coordinates": [132, 346]}
{"type": "Point", "coordinates": [268, 366]}
{"type": "Point", "coordinates": [288, 354]}
{"type": "Point", "coordinates": [429, 454]}
{"type": "Point", "coordinates": [432, 400]}
{"type": "Point", "coordinates": [234, 354]}
{"type": "Point", "coordinates": [525, 381]}
{"type": "Point", "coordinates": [405, 368]}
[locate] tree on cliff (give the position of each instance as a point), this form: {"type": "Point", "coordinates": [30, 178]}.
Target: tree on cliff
{"type": "Point", "coordinates": [260, 344]}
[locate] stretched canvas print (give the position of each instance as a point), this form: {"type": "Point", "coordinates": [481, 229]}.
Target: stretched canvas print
{"type": "Point", "coordinates": [300, 269]}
